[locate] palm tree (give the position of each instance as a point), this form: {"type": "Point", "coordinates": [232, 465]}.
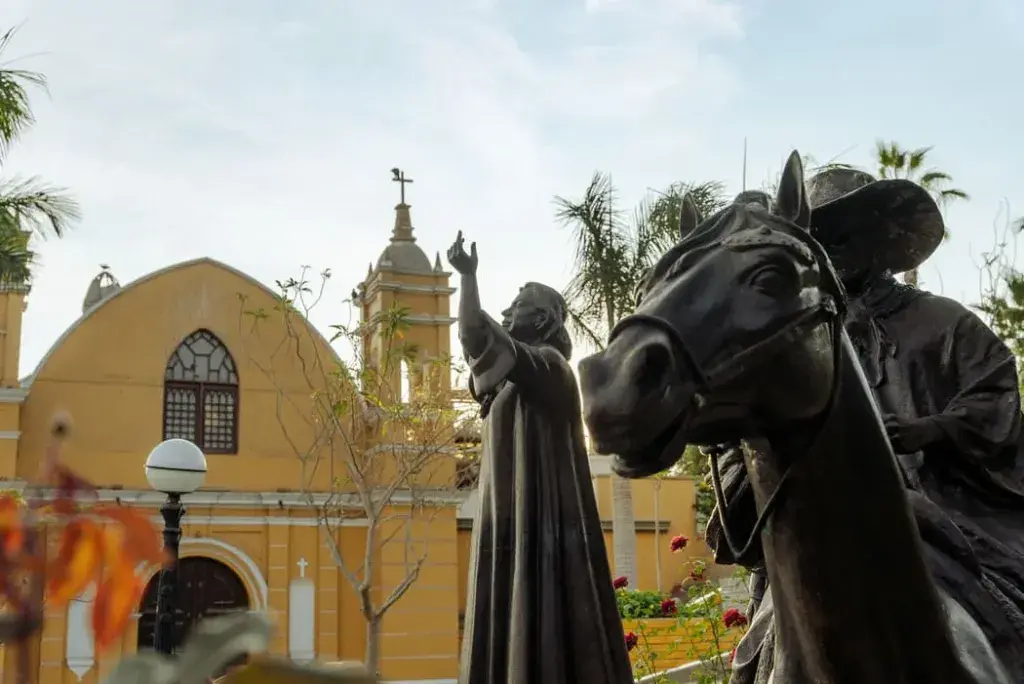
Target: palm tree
{"type": "Point", "coordinates": [29, 205]}
{"type": "Point", "coordinates": [612, 255]}
{"type": "Point", "coordinates": [897, 162]}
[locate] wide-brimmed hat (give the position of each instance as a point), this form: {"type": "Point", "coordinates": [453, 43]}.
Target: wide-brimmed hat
{"type": "Point", "coordinates": [877, 225]}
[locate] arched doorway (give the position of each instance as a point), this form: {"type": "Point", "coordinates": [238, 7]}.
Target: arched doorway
{"type": "Point", "coordinates": [206, 588]}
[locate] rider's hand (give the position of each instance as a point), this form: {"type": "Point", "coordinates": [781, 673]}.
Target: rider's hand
{"type": "Point", "coordinates": [909, 436]}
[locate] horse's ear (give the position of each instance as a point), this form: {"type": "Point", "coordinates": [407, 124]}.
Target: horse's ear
{"type": "Point", "coordinates": [791, 199]}
{"type": "Point", "coordinates": [689, 219]}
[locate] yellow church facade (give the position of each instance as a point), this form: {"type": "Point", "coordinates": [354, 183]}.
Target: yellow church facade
{"type": "Point", "coordinates": [172, 354]}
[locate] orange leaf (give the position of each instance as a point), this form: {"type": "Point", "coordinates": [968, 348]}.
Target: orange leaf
{"type": "Point", "coordinates": [78, 560]}
{"type": "Point", "coordinates": [12, 541]}
{"type": "Point", "coordinates": [67, 482]}
{"type": "Point", "coordinates": [61, 507]}
{"type": "Point", "coordinates": [12, 530]}
{"type": "Point", "coordinates": [116, 599]}
{"type": "Point", "coordinates": [10, 512]}
{"type": "Point", "coordinates": [141, 536]}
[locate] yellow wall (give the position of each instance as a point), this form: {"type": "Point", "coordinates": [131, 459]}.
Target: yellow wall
{"type": "Point", "coordinates": [108, 372]}
{"type": "Point", "coordinates": [674, 502]}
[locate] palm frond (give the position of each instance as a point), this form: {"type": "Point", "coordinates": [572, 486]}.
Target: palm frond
{"type": "Point", "coordinates": [38, 207]}
{"type": "Point", "coordinates": [15, 110]}
{"type": "Point", "coordinates": [663, 216]}
{"type": "Point", "coordinates": [914, 159]}
{"type": "Point", "coordinates": [612, 255]}
{"type": "Point", "coordinates": [16, 259]}
{"type": "Point", "coordinates": [600, 242]}
{"type": "Point", "coordinates": [930, 179]}
{"type": "Point", "coordinates": [953, 194]}
{"type": "Point", "coordinates": [579, 327]}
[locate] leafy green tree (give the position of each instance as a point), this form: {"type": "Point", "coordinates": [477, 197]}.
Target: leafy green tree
{"type": "Point", "coordinates": [895, 161]}
{"type": "Point", "coordinates": [612, 254]}
{"type": "Point", "coordinates": [1002, 292]}
{"type": "Point", "coordinates": [27, 205]}
{"type": "Point", "coordinates": [1005, 310]}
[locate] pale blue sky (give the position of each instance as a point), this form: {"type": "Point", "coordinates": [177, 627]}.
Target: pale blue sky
{"type": "Point", "coordinates": [261, 133]}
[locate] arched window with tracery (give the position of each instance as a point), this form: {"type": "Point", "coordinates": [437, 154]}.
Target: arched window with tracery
{"type": "Point", "coordinates": [201, 394]}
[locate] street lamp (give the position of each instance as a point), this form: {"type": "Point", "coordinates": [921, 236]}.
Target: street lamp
{"type": "Point", "coordinates": [174, 467]}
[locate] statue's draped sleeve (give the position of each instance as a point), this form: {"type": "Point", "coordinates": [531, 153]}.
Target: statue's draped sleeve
{"type": "Point", "coordinates": [495, 356]}
{"type": "Point", "coordinates": [983, 418]}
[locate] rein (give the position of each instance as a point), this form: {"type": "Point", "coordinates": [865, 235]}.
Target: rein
{"type": "Point", "coordinates": [829, 310]}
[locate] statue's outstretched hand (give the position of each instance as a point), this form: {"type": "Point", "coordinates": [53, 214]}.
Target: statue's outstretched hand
{"type": "Point", "coordinates": [460, 261]}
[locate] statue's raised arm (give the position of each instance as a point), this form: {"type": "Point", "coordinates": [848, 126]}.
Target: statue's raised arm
{"type": "Point", "coordinates": [530, 347]}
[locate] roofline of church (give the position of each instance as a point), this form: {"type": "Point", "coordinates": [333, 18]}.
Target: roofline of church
{"type": "Point", "coordinates": [26, 382]}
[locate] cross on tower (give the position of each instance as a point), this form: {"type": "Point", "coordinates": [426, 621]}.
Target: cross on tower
{"type": "Point", "coordinates": [398, 176]}
{"type": "Point", "coordinates": [302, 567]}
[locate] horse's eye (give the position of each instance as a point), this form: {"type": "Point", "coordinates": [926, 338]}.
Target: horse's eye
{"type": "Point", "coordinates": [772, 280]}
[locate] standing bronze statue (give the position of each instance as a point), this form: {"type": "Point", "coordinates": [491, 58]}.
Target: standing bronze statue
{"type": "Point", "coordinates": [854, 595]}
{"type": "Point", "coordinates": [540, 608]}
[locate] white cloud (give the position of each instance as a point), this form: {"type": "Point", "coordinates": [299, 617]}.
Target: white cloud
{"type": "Point", "coordinates": [262, 134]}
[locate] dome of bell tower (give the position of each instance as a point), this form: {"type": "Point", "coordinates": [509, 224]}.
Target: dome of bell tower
{"type": "Point", "coordinates": [402, 253]}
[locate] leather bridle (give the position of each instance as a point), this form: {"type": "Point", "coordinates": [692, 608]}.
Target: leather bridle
{"type": "Point", "coordinates": [830, 309]}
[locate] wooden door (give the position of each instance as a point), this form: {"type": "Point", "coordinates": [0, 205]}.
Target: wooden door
{"type": "Point", "coordinates": [206, 588]}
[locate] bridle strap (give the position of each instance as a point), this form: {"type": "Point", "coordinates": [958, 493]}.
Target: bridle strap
{"type": "Point", "coordinates": [745, 555]}
{"type": "Point", "coordinates": [830, 310]}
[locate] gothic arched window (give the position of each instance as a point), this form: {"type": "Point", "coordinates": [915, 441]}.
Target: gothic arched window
{"type": "Point", "coordinates": [201, 394]}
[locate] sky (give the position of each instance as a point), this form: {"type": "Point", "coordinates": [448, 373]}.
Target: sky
{"type": "Point", "coordinates": [262, 133]}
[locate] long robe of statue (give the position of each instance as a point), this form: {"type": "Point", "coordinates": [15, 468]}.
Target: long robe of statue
{"type": "Point", "coordinates": [540, 603]}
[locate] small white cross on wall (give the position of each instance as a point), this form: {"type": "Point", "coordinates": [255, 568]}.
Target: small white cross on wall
{"type": "Point", "coordinates": [302, 567]}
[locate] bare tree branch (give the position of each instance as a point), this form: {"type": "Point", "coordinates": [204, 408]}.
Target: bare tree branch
{"type": "Point", "coordinates": [387, 458]}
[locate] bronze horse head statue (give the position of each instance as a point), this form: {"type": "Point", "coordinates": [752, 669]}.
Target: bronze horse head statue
{"type": "Point", "coordinates": [738, 336]}
{"type": "Point", "coordinates": [749, 349]}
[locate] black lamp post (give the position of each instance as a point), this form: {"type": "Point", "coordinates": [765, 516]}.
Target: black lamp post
{"type": "Point", "coordinates": [175, 467]}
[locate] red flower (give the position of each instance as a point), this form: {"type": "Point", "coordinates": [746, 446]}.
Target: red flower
{"type": "Point", "coordinates": [678, 543]}
{"type": "Point", "coordinates": [668, 608]}
{"type": "Point", "coordinates": [620, 583]}
{"type": "Point", "coordinates": [631, 641]}
{"type": "Point", "coordinates": [733, 618]}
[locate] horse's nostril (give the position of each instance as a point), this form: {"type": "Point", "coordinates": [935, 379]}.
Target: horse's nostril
{"type": "Point", "coordinates": [653, 364]}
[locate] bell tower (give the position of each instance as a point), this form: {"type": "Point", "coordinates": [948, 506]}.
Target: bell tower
{"type": "Point", "coordinates": [404, 277]}
{"type": "Point", "coordinates": [12, 306]}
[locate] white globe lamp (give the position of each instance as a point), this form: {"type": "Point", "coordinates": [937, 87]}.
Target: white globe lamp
{"type": "Point", "coordinates": [176, 466]}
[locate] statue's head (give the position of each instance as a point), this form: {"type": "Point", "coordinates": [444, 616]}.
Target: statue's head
{"type": "Point", "coordinates": [537, 316]}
